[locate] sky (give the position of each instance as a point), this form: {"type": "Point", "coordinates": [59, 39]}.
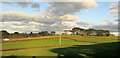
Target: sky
{"type": "Point", "coordinates": [45, 16]}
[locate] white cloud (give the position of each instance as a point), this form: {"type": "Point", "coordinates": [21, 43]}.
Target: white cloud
{"type": "Point", "coordinates": [43, 17]}
{"type": "Point", "coordinates": [35, 26]}
{"type": "Point", "coordinates": [20, 16]}
{"type": "Point", "coordinates": [45, 21]}
{"type": "Point", "coordinates": [62, 8]}
{"type": "Point", "coordinates": [106, 26]}
{"type": "Point", "coordinates": [21, 26]}
{"type": "Point", "coordinates": [114, 11]}
{"type": "Point", "coordinates": [114, 8]}
{"type": "Point", "coordinates": [71, 25]}
{"type": "Point", "coordinates": [68, 17]}
{"type": "Point", "coordinates": [111, 27]}
{"type": "Point", "coordinates": [21, 23]}
{"type": "Point", "coordinates": [65, 25]}
{"type": "Point", "coordinates": [24, 29]}
{"type": "Point", "coordinates": [85, 24]}
{"type": "Point", "coordinates": [13, 16]}
{"type": "Point", "coordinates": [21, 29]}
{"type": "Point", "coordinates": [35, 23]}
{"type": "Point", "coordinates": [12, 23]}
{"type": "Point", "coordinates": [48, 20]}
{"type": "Point", "coordinates": [109, 21]}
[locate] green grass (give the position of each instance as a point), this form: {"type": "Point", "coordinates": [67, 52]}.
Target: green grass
{"type": "Point", "coordinates": [78, 51]}
{"type": "Point", "coordinates": [83, 50]}
{"type": "Point", "coordinates": [37, 43]}
{"type": "Point", "coordinates": [30, 52]}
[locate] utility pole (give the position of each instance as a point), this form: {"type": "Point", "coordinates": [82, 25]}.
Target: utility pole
{"type": "Point", "coordinates": [60, 34]}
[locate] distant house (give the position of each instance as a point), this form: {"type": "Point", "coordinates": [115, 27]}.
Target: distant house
{"type": "Point", "coordinates": [82, 33]}
{"type": "Point", "coordinates": [111, 35]}
{"type": "Point", "coordinates": [103, 34]}
{"type": "Point", "coordinates": [6, 39]}
{"type": "Point", "coordinates": [94, 33]}
{"type": "Point", "coordinates": [116, 33]}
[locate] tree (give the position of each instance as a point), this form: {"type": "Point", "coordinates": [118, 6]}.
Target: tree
{"type": "Point", "coordinates": [86, 31]}
{"type": "Point", "coordinates": [4, 34]}
{"type": "Point", "coordinates": [107, 32]}
{"type": "Point", "coordinates": [31, 34]}
{"type": "Point", "coordinates": [82, 31]}
{"type": "Point", "coordinates": [43, 33]}
{"type": "Point", "coordinates": [16, 33]}
{"type": "Point", "coordinates": [100, 32]}
{"type": "Point", "coordinates": [53, 32]}
{"type": "Point", "coordinates": [90, 31]}
{"type": "Point", "coordinates": [75, 30]}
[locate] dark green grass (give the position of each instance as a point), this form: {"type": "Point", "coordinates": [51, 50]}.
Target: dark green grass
{"type": "Point", "coordinates": [92, 51]}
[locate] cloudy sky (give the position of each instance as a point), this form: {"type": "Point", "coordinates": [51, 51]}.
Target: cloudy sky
{"type": "Point", "coordinates": [45, 16]}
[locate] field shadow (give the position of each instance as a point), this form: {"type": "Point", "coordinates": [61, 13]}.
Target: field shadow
{"type": "Point", "coordinates": [89, 51]}
{"type": "Point", "coordinates": [28, 56]}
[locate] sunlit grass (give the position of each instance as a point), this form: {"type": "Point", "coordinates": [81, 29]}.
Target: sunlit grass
{"type": "Point", "coordinates": [38, 43]}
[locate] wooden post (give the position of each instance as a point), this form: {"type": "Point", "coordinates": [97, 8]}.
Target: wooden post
{"type": "Point", "coordinates": [60, 34]}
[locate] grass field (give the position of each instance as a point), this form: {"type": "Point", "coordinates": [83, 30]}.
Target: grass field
{"type": "Point", "coordinates": [72, 48]}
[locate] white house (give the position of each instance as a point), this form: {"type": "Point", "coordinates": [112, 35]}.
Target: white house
{"type": "Point", "coordinates": [6, 39]}
{"type": "Point", "coordinates": [116, 33]}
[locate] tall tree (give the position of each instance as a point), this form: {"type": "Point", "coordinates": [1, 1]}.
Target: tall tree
{"type": "Point", "coordinates": [16, 33]}
{"type": "Point", "coordinates": [90, 31]}
{"type": "Point", "coordinates": [53, 32]}
{"type": "Point", "coordinates": [31, 34]}
{"type": "Point", "coordinates": [43, 33]}
{"type": "Point", "coordinates": [75, 30]}
{"type": "Point", "coordinates": [107, 32]}
{"type": "Point", "coordinates": [4, 34]}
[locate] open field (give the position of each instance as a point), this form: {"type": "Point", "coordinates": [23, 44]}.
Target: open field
{"type": "Point", "coordinates": [78, 46]}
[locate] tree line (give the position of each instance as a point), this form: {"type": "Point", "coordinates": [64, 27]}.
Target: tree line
{"type": "Point", "coordinates": [6, 34]}
{"type": "Point", "coordinates": [89, 32]}
{"type": "Point", "coordinates": [74, 31]}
